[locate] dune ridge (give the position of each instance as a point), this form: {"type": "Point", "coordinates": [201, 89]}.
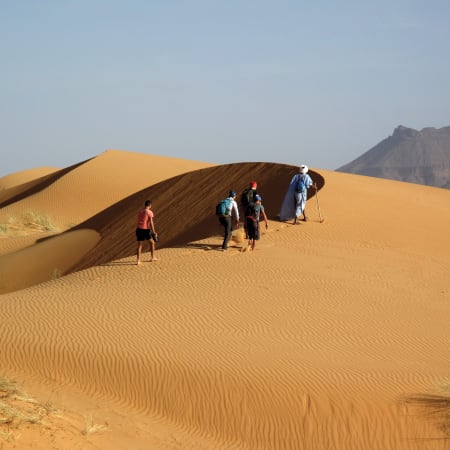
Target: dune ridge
{"type": "Point", "coordinates": [23, 185]}
{"type": "Point", "coordinates": [185, 212]}
{"type": "Point", "coordinates": [312, 341]}
{"type": "Point", "coordinates": [184, 206]}
{"type": "Point", "coordinates": [98, 183]}
{"type": "Point", "coordinates": [24, 176]}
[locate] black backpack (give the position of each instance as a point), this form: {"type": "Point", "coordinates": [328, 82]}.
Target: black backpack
{"type": "Point", "coordinates": [250, 212]}
{"type": "Point", "coordinates": [248, 197]}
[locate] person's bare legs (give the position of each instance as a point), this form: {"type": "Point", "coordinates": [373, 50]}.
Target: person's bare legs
{"type": "Point", "coordinates": [138, 252]}
{"type": "Point", "coordinates": [152, 250]}
{"type": "Point", "coordinates": [251, 240]}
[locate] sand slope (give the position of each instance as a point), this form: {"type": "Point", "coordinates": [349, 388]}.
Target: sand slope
{"type": "Point", "coordinates": [310, 342]}
{"type": "Point", "coordinates": [69, 196]}
{"type": "Point", "coordinates": [24, 176]}
{"type": "Point", "coordinates": [184, 207]}
{"type": "Point", "coordinates": [82, 190]}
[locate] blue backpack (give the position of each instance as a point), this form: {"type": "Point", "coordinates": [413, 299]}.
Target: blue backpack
{"type": "Point", "coordinates": [223, 206]}
{"type": "Point", "coordinates": [301, 185]}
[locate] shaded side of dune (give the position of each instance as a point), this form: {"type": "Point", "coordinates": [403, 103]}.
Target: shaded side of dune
{"type": "Point", "coordinates": [184, 207]}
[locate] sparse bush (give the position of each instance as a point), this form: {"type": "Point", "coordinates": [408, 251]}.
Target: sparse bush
{"type": "Point", "coordinates": [16, 226]}
{"type": "Point", "coordinates": [35, 219]}
{"type": "Point", "coordinates": [435, 406]}
{"type": "Point", "coordinates": [57, 273]}
{"type": "Point", "coordinates": [12, 220]}
{"type": "Point", "coordinates": [92, 427]}
{"type": "Point", "coordinates": [16, 407]}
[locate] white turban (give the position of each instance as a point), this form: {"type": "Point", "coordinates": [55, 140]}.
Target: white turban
{"type": "Point", "coordinates": [303, 169]}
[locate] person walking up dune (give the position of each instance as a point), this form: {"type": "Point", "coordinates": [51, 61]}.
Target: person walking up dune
{"type": "Point", "coordinates": [247, 199]}
{"type": "Point", "coordinates": [224, 211]}
{"type": "Point", "coordinates": [145, 231]}
{"type": "Point", "coordinates": [294, 202]}
{"type": "Point", "coordinates": [252, 218]}
{"type": "Point", "coordinates": [302, 183]}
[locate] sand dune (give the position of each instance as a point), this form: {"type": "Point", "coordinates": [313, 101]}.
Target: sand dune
{"type": "Point", "coordinates": [68, 197]}
{"type": "Point", "coordinates": [185, 212]}
{"type": "Point", "coordinates": [310, 342]}
{"type": "Point", "coordinates": [19, 185]}
{"type": "Point", "coordinates": [25, 176]}
{"type": "Point", "coordinates": [80, 191]}
{"type": "Point", "coordinates": [184, 207]}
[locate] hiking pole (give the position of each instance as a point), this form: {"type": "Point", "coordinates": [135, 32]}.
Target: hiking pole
{"type": "Point", "coordinates": [318, 206]}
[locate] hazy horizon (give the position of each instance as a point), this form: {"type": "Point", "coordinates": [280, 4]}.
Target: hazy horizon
{"type": "Point", "coordinates": [219, 82]}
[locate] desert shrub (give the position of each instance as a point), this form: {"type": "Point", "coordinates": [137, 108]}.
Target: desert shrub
{"type": "Point", "coordinates": [38, 220]}
{"type": "Point", "coordinates": [18, 225]}
{"type": "Point", "coordinates": [92, 427]}
{"type": "Point", "coordinates": [16, 407]}
{"type": "Point", "coordinates": [434, 406]}
{"type": "Point", "coordinates": [57, 273]}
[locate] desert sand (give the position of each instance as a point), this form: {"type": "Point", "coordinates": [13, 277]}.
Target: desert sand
{"type": "Point", "coordinates": [319, 339]}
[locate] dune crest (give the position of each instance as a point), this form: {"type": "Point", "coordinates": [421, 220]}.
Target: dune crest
{"type": "Point", "coordinates": [82, 190]}
{"type": "Point", "coordinates": [24, 176]}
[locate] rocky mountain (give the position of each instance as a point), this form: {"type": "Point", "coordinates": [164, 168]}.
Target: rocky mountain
{"type": "Point", "coordinates": [421, 157]}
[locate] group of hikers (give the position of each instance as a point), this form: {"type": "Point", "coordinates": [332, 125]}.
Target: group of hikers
{"type": "Point", "coordinates": [251, 208]}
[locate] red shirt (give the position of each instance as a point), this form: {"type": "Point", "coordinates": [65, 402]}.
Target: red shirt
{"type": "Point", "coordinates": [144, 217]}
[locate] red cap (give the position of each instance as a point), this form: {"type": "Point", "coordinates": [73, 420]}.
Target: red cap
{"type": "Point", "coordinates": [253, 184]}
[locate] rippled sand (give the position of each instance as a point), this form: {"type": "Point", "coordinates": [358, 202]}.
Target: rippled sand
{"type": "Point", "coordinates": [313, 341]}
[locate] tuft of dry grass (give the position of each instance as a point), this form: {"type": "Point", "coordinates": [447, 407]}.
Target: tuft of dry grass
{"type": "Point", "coordinates": [92, 427]}
{"type": "Point", "coordinates": [31, 221]}
{"type": "Point", "coordinates": [436, 407]}
{"type": "Point", "coordinates": [57, 273]}
{"type": "Point", "coordinates": [17, 408]}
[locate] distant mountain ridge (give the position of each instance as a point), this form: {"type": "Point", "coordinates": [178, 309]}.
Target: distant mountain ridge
{"type": "Point", "coordinates": [421, 157]}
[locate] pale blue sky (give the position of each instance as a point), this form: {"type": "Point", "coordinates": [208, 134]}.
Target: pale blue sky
{"type": "Point", "coordinates": [316, 82]}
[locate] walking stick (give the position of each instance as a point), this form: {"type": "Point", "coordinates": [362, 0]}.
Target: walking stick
{"type": "Point", "coordinates": [318, 206]}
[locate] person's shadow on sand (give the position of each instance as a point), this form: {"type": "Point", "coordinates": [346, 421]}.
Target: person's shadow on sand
{"type": "Point", "coordinates": [206, 247]}
{"type": "Point", "coordinates": [119, 263]}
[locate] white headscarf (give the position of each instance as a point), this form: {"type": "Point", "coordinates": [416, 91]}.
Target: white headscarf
{"type": "Point", "coordinates": [303, 169]}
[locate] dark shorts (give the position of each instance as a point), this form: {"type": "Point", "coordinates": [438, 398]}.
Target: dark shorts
{"type": "Point", "coordinates": [143, 235]}
{"type": "Point", "coordinates": [252, 229]}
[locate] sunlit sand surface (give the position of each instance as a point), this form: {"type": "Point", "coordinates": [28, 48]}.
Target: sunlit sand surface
{"type": "Point", "coordinates": [316, 340]}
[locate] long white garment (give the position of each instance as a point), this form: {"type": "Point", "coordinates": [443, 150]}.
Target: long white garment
{"type": "Point", "coordinates": [300, 202]}
{"type": "Point", "coordinates": [294, 203]}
